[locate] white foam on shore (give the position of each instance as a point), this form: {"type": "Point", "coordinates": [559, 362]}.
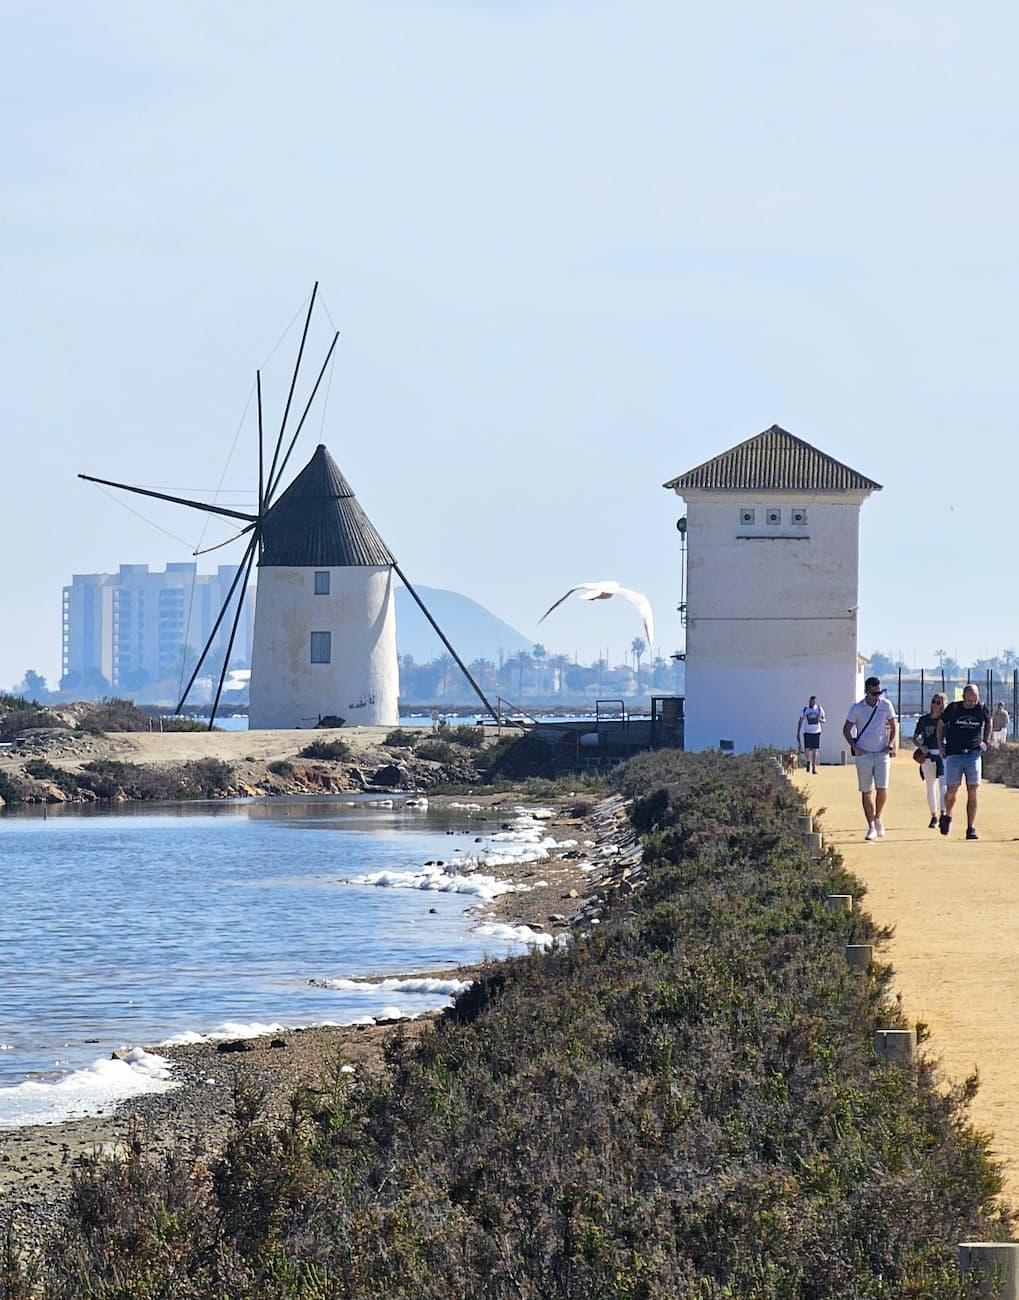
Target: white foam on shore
{"type": "Point", "coordinates": [525, 841]}
{"type": "Point", "coordinates": [227, 1030]}
{"type": "Point", "coordinates": [449, 878]}
{"type": "Point", "coordinates": [517, 934]}
{"type": "Point", "coordinates": [96, 1090]}
{"type": "Point", "coordinates": [426, 984]}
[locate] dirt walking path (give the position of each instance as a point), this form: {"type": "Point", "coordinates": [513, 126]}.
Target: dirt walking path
{"type": "Point", "coordinates": [954, 906]}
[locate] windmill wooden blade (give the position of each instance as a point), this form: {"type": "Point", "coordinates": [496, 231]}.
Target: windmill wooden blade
{"type": "Point", "coordinates": [179, 501]}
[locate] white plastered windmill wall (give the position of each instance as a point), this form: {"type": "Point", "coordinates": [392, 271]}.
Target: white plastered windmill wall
{"type": "Point", "coordinates": [315, 528]}
{"type": "Point", "coordinates": [772, 592]}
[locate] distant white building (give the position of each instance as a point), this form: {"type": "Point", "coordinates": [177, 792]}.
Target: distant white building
{"type": "Point", "coordinates": [772, 592]}
{"type": "Point", "coordinates": [133, 627]}
{"type": "Point", "coordinates": [325, 618]}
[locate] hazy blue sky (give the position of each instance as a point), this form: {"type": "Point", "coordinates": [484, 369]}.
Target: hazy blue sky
{"type": "Point", "coordinates": [573, 249]}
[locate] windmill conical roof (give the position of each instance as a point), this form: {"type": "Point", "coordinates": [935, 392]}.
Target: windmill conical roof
{"type": "Point", "coordinates": [317, 523]}
{"type": "Point", "coordinates": [774, 460]}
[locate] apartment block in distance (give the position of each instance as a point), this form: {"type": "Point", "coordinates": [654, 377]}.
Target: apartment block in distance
{"type": "Point", "coordinates": [132, 628]}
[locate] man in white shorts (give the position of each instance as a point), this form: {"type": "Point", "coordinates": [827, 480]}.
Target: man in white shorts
{"type": "Point", "coordinates": [870, 730]}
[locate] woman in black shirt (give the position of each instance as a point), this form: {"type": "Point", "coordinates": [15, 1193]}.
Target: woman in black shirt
{"type": "Point", "coordinates": [932, 769]}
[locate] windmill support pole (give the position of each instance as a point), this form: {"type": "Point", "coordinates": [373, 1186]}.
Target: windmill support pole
{"type": "Point", "coordinates": [442, 637]}
{"type": "Point", "coordinates": [226, 605]}
{"type": "Point", "coordinates": [233, 632]}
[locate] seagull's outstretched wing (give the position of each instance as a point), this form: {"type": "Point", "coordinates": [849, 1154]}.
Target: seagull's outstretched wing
{"type": "Point", "coordinates": [561, 599]}
{"type": "Point", "coordinates": [643, 605]}
{"type": "Point", "coordinates": [602, 591]}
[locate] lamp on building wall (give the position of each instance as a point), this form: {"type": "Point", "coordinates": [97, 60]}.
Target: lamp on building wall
{"type": "Point", "coordinates": [681, 527]}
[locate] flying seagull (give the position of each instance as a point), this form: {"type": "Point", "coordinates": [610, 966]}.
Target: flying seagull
{"type": "Point", "coordinates": [602, 591]}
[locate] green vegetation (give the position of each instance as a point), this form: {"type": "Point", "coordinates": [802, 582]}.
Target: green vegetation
{"type": "Point", "coordinates": [18, 714]}
{"type": "Point", "coordinates": [514, 758]}
{"type": "Point", "coordinates": [468, 737]}
{"type": "Point", "coordinates": [1002, 765]}
{"type": "Point", "coordinates": [115, 715]}
{"type": "Point", "coordinates": [436, 751]}
{"type": "Point", "coordinates": [337, 750]}
{"type": "Point", "coordinates": [400, 739]}
{"type": "Point", "coordinates": [201, 779]}
{"type": "Point", "coordinates": [11, 794]}
{"type": "Point", "coordinates": [41, 770]}
{"type": "Point", "coordinates": [281, 767]}
{"type": "Point", "coordinates": [685, 1102]}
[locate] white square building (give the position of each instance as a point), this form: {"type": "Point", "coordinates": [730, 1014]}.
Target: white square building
{"type": "Point", "coordinates": [772, 591]}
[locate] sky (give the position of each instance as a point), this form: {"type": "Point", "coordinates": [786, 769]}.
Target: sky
{"type": "Point", "coordinates": [572, 250]}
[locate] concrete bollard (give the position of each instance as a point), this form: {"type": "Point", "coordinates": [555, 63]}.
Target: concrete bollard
{"type": "Point", "coordinates": [860, 955]}
{"type": "Point", "coordinates": [805, 825]}
{"type": "Point", "coordinates": [813, 841]}
{"type": "Point", "coordinates": [995, 1263]}
{"type": "Point", "coordinates": [838, 903]}
{"type": "Point", "coordinates": [895, 1046]}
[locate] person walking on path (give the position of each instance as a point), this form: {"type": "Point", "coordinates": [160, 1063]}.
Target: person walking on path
{"type": "Point", "coordinates": [999, 725]}
{"type": "Point", "coordinates": [808, 732]}
{"type": "Point", "coordinates": [964, 732]}
{"type": "Point", "coordinates": [870, 729]}
{"type": "Point", "coordinates": [932, 769]}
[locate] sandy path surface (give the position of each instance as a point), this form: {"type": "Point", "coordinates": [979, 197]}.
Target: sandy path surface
{"type": "Point", "coordinates": [954, 906]}
{"type": "Point", "coordinates": [235, 746]}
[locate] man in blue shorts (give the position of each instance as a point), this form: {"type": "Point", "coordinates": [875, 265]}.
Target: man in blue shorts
{"type": "Point", "coordinates": [870, 729]}
{"type": "Point", "coordinates": [964, 732]}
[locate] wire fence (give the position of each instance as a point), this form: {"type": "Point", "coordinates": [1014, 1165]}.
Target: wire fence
{"type": "Point", "coordinates": [913, 690]}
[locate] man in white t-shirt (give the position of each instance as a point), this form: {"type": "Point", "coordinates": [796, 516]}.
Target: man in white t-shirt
{"type": "Point", "coordinates": [870, 730]}
{"type": "Point", "coordinates": [808, 732]}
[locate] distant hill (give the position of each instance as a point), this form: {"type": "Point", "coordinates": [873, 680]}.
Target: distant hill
{"type": "Point", "coordinates": [473, 631]}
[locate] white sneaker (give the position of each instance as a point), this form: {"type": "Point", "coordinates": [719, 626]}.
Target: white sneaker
{"type": "Point", "coordinates": [871, 832]}
{"type": "Point", "coordinates": [879, 828]}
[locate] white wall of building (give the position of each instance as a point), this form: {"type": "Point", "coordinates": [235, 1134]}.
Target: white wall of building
{"type": "Point", "coordinates": [361, 683]}
{"type": "Point", "coordinates": [771, 615]}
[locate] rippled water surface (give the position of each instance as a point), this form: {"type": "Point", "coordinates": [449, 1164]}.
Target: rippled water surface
{"type": "Point", "coordinates": [129, 927]}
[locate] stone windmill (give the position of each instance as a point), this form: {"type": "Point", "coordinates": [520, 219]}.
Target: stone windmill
{"type": "Point", "coordinates": [324, 646]}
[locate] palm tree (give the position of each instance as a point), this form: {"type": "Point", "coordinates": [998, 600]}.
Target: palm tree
{"type": "Point", "coordinates": [638, 645]}
{"type": "Point", "coordinates": [522, 659]}
{"type": "Point", "coordinates": [483, 670]}
{"type": "Point", "coordinates": [447, 676]}
{"type": "Point", "coordinates": [559, 665]}
{"type": "Point", "coordinates": [539, 654]}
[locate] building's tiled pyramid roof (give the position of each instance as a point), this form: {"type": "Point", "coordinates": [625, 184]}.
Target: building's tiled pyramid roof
{"type": "Point", "coordinates": [774, 461]}
{"type": "Point", "coordinates": [317, 523]}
